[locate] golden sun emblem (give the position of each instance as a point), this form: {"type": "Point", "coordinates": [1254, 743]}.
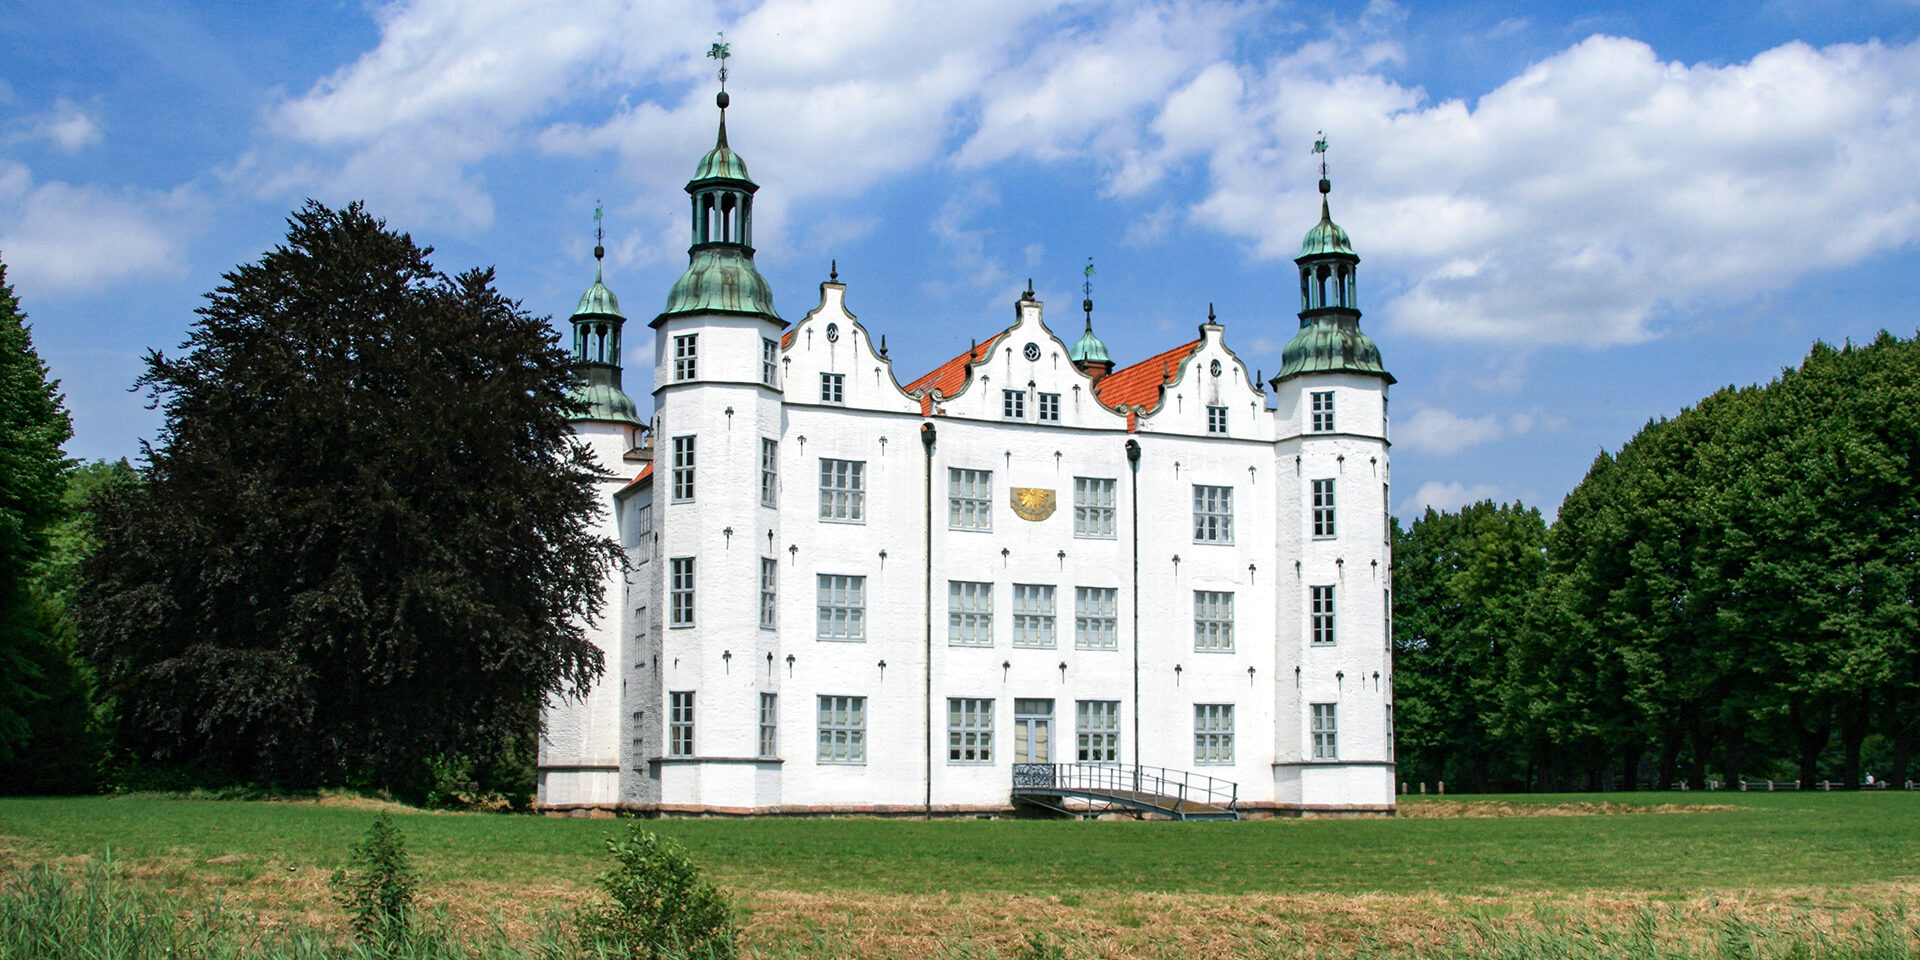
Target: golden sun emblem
{"type": "Point", "coordinates": [1031, 503]}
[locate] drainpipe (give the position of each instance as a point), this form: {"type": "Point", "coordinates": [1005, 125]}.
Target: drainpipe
{"type": "Point", "coordinates": [1133, 463]}
{"type": "Point", "coordinates": [927, 435]}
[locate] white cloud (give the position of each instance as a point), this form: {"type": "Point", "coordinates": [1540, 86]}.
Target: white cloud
{"type": "Point", "coordinates": [1451, 495]}
{"type": "Point", "coordinates": [67, 126]}
{"type": "Point", "coordinates": [58, 236]}
{"type": "Point", "coordinates": [1445, 433]}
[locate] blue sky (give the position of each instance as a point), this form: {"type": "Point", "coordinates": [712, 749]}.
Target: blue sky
{"type": "Point", "coordinates": [1571, 218]}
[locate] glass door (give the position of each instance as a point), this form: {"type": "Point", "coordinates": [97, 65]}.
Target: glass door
{"type": "Point", "coordinates": [1032, 731]}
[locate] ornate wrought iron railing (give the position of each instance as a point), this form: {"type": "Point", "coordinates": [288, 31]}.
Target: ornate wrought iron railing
{"type": "Point", "coordinates": [1155, 786]}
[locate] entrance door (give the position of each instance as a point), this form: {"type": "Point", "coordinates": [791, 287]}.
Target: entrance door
{"type": "Point", "coordinates": [1032, 731]}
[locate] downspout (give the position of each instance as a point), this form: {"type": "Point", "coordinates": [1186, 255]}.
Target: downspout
{"type": "Point", "coordinates": [1133, 462]}
{"type": "Point", "coordinates": [927, 434]}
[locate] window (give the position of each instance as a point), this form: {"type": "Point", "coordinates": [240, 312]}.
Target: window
{"type": "Point", "coordinates": [1032, 731]}
{"type": "Point", "coordinates": [969, 730]}
{"type": "Point", "coordinates": [843, 490]}
{"type": "Point", "coordinates": [769, 472]}
{"type": "Point", "coordinates": [1322, 411]}
{"type": "Point", "coordinates": [1389, 731]}
{"type": "Point", "coordinates": [769, 597]}
{"type": "Point", "coordinates": [769, 726]}
{"type": "Point", "coordinates": [1096, 618]}
{"type": "Point", "coordinates": [1213, 733]}
{"type": "Point", "coordinates": [1092, 507]}
{"type": "Point", "coordinates": [843, 730]}
{"type": "Point", "coordinates": [1326, 732]}
{"type": "Point", "coordinates": [1212, 514]}
{"type": "Point", "coordinates": [683, 468]}
{"type": "Point", "coordinates": [680, 724]}
{"type": "Point", "coordinates": [770, 362]}
{"type": "Point", "coordinates": [643, 531]}
{"type": "Point", "coordinates": [1213, 621]}
{"type": "Point", "coordinates": [1216, 419]}
{"type": "Point", "coordinates": [833, 388]}
{"type": "Point", "coordinates": [1097, 726]}
{"type": "Point", "coordinates": [969, 499]}
{"type": "Point", "coordinates": [1032, 615]}
{"type": "Point", "coordinates": [680, 592]}
{"type": "Point", "coordinates": [1323, 508]}
{"type": "Point", "coordinates": [1013, 404]}
{"type": "Point", "coordinates": [969, 613]}
{"type": "Point", "coordinates": [685, 359]}
{"type": "Point", "coordinates": [1050, 407]}
{"type": "Point", "coordinates": [843, 607]}
{"type": "Point", "coordinates": [1322, 615]}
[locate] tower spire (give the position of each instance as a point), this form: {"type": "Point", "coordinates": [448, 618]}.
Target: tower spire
{"type": "Point", "coordinates": [1326, 186]}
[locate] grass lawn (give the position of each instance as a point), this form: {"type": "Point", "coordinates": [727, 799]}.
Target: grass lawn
{"type": "Point", "coordinates": [889, 881]}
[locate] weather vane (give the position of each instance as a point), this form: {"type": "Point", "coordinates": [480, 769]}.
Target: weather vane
{"type": "Point", "coordinates": [1086, 287]}
{"type": "Point", "coordinates": [719, 52]}
{"type": "Point", "coordinates": [1320, 147]}
{"type": "Point", "coordinates": [599, 235]}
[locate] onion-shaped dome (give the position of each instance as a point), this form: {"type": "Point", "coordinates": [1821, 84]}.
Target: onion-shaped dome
{"type": "Point", "coordinates": [1331, 345]}
{"type": "Point", "coordinates": [1325, 237]}
{"type": "Point", "coordinates": [1089, 349]}
{"type": "Point", "coordinates": [603, 400]}
{"type": "Point", "coordinates": [721, 162]}
{"type": "Point", "coordinates": [599, 301]}
{"type": "Point", "coordinates": [720, 279]}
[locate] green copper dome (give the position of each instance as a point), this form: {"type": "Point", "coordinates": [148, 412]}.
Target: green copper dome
{"type": "Point", "coordinates": [604, 400]}
{"type": "Point", "coordinates": [1328, 344]}
{"type": "Point", "coordinates": [720, 278]}
{"type": "Point", "coordinates": [1089, 349]}
{"type": "Point", "coordinates": [721, 161]}
{"type": "Point", "coordinates": [598, 300]}
{"type": "Point", "coordinates": [1325, 237]}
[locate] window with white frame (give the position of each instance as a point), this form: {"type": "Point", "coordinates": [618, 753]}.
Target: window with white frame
{"type": "Point", "coordinates": [1013, 404]}
{"type": "Point", "coordinates": [1213, 733]}
{"type": "Point", "coordinates": [1096, 618]}
{"type": "Point", "coordinates": [1322, 404]}
{"type": "Point", "coordinates": [969, 499]}
{"type": "Point", "coordinates": [1050, 407]}
{"type": "Point", "coordinates": [685, 356]}
{"type": "Point", "coordinates": [680, 723]}
{"type": "Point", "coordinates": [1097, 731]}
{"type": "Point", "coordinates": [843, 730]}
{"type": "Point", "coordinates": [1213, 621]}
{"type": "Point", "coordinates": [1032, 615]}
{"type": "Point", "coordinates": [769, 361]}
{"type": "Point", "coordinates": [1320, 610]}
{"type": "Point", "coordinates": [843, 607]}
{"type": "Point", "coordinates": [969, 613]}
{"type": "Point", "coordinates": [769, 726]}
{"type": "Point", "coordinates": [682, 468]}
{"type": "Point", "coordinates": [843, 490]}
{"type": "Point", "coordinates": [969, 730]}
{"type": "Point", "coordinates": [1093, 506]}
{"type": "Point", "coordinates": [833, 388]}
{"type": "Point", "coordinates": [769, 592]}
{"type": "Point", "coordinates": [1216, 419]}
{"type": "Point", "coordinates": [680, 592]}
{"type": "Point", "coordinates": [1212, 514]}
{"type": "Point", "coordinates": [769, 472]}
{"type": "Point", "coordinates": [643, 532]}
{"type": "Point", "coordinates": [1326, 732]}
{"type": "Point", "coordinates": [1323, 508]}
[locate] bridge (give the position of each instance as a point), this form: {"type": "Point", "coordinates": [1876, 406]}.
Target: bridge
{"type": "Point", "coordinates": [1096, 788]}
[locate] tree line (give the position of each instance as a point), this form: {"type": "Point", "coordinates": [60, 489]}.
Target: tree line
{"type": "Point", "coordinates": [1731, 594]}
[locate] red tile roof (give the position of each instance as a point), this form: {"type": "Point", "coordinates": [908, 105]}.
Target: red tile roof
{"type": "Point", "coordinates": [1139, 385]}
{"type": "Point", "coordinates": [644, 477]}
{"type": "Point", "coordinates": [949, 377]}
{"type": "Point", "coordinates": [786, 339]}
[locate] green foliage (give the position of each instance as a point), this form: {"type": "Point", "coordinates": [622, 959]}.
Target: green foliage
{"type": "Point", "coordinates": [378, 891]}
{"type": "Point", "coordinates": [660, 906]}
{"type": "Point", "coordinates": [364, 536]}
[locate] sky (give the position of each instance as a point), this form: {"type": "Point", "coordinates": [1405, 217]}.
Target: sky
{"type": "Point", "coordinates": [1572, 218]}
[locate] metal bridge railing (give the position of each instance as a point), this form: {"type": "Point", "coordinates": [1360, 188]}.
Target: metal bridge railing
{"type": "Point", "coordinates": [1120, 779]}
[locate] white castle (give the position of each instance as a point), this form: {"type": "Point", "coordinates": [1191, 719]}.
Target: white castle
{"type": "Point", "coordinates": [1024, 579]}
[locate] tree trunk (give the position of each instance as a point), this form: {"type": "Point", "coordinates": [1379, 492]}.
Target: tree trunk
{"type": "Point", "coordinates": [1853, 730]}
{"type": "Point", "coordinates": [1701, 735]}
{"type": "Point", "coordinates": [1669, 760]}
{"type": "Point", "coordinates": [1736, 738]}
{"type": "Point", "coordinates": [1630, 767]}
{"type": "Point", "coordinates": [1812, 726]}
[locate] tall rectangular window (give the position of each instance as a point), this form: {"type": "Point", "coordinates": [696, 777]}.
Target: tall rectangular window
{"type": "Point", "coordinates": [769, 592]}
{"type": "Point", "coordinates": [1050, 407]}
{"type": "Point", "coordinates": [843, 607]}
{"type": "Point", "coordinates": [843, 490]}
{"type": "Point", "coordinates": [685, 356]}
{"type": "Point", "coordinates": [769, 361]}
{"type": "Point", "coordinates": [1321, 611]}
{"type": "Point", "coordinates": [1013, 404]}
{"type": "Point", "coordinates": [969, 613]}
{"type": "Point", "coordinates": [1213, 733]}
{"type": "Point", "coordinates": [843, 730]}
{"type": "Point", "coordinates": [680, 592]}
{"type": "Point", "coordinates": [1212, 514]}
{"type": "Point", "coordinates": [680, 724]}
{"type": "Point", "coordinates": [1323, 508]}
{"type": "Point", "coordinates": [683, 468]}
{"type": "Point", "coordinates": [769, 726]}
{"type": "Point", "coordinates": [1322, 401]}
{"type": "Point", "coordinates": [769, 472]}
{"type": "Point", "coordinates": [833, 388]}
{"type": "Point", "coordinates": [1097, 731]}
{"type": "Point", "coordinates": [1326, 732]}
{"type": "Point", "coordinates": [1213, 620]}
{"type": "Point", "coordinates": [969, 730]}
{"type": "Point", "coordinates": [1389, 731]}
{"type": "Point", "coordinates": [1216, 419]}
{"type": "Point", "coordinates": [1032, 615]}
{"type": "Point", "coordinates": [1093, 506]}
{"type": "Point", "coordinates": [1096, 618]}
{"type": "Point", "coordinates": [969, 499]}
{"type": "Point", "coordinates": [643, 532]}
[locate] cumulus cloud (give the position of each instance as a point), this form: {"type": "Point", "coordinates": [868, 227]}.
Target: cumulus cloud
{"type": "Point", "coordinates": [67, 126]}
{"type": "Point", "coordinates": [1451, 495]}
{"type": "Point", "coordinates": [1443, 432]}
{"type": "Point", "coordinates": [58, 236]}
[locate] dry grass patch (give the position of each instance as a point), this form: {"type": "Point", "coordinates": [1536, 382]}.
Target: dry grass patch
{"type": "Point", "coordinates": [1488, 809]}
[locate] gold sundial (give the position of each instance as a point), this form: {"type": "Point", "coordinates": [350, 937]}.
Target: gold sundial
{"type": "Point", "coordinates": [1031, 503]}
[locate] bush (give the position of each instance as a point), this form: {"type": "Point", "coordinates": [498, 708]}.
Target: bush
{"type": "Point", "coordinates": [660, 905]}
{"type": "Point", "coordinates": [378, 893]}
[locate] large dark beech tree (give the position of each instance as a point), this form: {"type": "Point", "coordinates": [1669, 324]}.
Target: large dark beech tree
{"type": "Point", "coordinates": [364, 540]}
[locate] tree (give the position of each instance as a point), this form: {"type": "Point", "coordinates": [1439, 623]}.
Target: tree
{"type": "Point", "coordinates": [363, 537]}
